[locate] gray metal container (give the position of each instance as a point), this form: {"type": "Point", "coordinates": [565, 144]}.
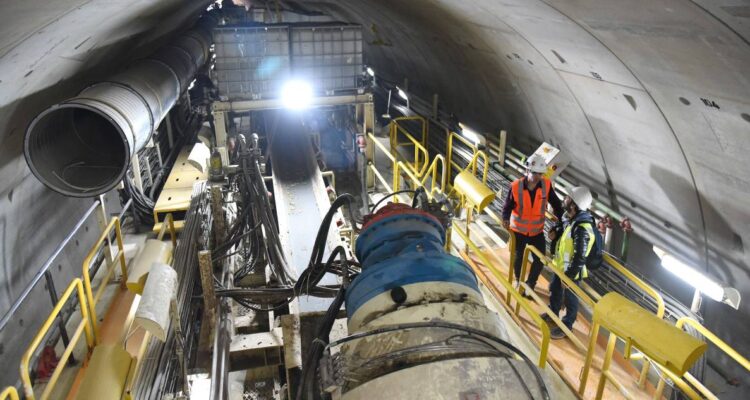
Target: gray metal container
{"type": "Point", "coordinates": [254, 62]}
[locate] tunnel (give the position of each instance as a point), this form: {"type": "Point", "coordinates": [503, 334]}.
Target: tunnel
{"type": "Point", "coordinates": [650, 101]}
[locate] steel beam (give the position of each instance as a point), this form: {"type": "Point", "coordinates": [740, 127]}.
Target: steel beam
{"type": "Point", "coordinates": [275, 104]}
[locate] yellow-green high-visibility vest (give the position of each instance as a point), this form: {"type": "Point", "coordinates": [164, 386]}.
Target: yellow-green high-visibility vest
{"type": "Point", "coordinates": [565, 248]}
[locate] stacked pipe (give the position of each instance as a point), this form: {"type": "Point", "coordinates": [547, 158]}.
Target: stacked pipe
{"type": "Point", "coordinates": [82, 147]}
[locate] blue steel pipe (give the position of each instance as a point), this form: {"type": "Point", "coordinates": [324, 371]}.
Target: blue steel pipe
{"type": "Point", "coordinates": [398, 246]}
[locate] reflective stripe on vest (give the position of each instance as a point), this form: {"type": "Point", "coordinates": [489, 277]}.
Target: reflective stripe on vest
{"type": "Point", "coordinates": [528, 216]}
{"type": "Point", "coordinates": [566, 247]}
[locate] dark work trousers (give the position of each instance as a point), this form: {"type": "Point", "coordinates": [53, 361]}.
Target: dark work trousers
{"type": "Point", "coordinates": [557, 295]}
{"type": "Point", "coordinates": [536, 265]}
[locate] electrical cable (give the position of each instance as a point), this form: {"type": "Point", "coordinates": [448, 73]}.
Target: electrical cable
{"type": "Point", "coordinates": [389, 195]}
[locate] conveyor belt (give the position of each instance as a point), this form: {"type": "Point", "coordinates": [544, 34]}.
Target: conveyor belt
{"type": "Point", "coordinates": [301, 202]}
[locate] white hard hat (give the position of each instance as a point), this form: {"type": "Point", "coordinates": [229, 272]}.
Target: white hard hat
{"type": "Point", "coordinates": [536, 163]}
{"type": "Point", "coordinates": [582, 197]}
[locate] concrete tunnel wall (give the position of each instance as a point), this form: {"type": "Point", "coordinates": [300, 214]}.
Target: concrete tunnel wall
{"type": "Point", "coordinates": [49, 51]}
{"type": "Point", "coordinates": [650, 99]}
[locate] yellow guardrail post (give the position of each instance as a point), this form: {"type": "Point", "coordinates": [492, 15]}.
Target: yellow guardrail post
{"type": "Point", "coordinates": [474, 161]}
{"type": "Point", "coordinates": [451, 164]}
{"type": "Point", "coordinates": [9, 393]}
{"type": "Point", "coordinates": [85, 326]}
{"type": "Point", "coordinates": [421, 155]}
{"type": "Point", "coordinates": [512, 260]}
{"type": "Point", "coordinates": [119, 257]}
{"type": "Point", "coordinates": [432, 169]}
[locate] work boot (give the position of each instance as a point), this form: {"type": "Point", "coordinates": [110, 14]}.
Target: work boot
{"type": "Point", "coordinates": [546, 318]}
{"type": "Point", "coordinates": [557, 333]}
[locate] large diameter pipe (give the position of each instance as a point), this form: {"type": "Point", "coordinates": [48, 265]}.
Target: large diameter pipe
{"type": "Point", "coordinates": [82, 147]}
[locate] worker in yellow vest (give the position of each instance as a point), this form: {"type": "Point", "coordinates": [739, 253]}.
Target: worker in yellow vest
{"type": "Point", "coordinates": [524, 213]}
{"type": "Point", "coordinates": [573, 247]}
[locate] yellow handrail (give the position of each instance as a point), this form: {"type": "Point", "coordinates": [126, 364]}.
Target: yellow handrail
{"type": "Point", "coordinates": [722, 345]}
{"type": "Point", "coordinates": [422, 120]}
{"type": "Point", "coordinates": [680, 381]}
{"type": "Point", "coordinates": [85, 326]}
{"type": "Point", "coordinates": [9, 393]}
{"type": "Point", "coordinates": [560, 274]}
{"type": "Point", "coordinates": [419, 148]}
{"type": "Point", "coordinates": [434, 187]}
{"type": "Point", "coordinates": [543, 327]}
{"type": "Point", "coordinates": [449, 150]}
{"type": "Point", "coordinates": [473, 164]}
{"type": "Point", "coordinates": [380, 177]}
{"type": "Point", "coordinates": [681, 384]}
{"type": "Point", "coordinates": [379, 145]}
{"type": "Point", "coordinates": [609, 259]}
{"type": "Point", "coordinates": [400, 166]}
{"type": "Point", "coordinates": [120, 256]}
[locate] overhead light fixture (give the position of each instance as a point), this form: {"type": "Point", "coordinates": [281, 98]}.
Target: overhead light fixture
{"type": "Point", "coordinates": [296, 94]}
{"type": "Point", "coordinates": [472, 135]}
{"type": "Point", "coordinates": [370, 72]}
{"type": "Point", "coordinates": [402, 94]}
{"type": "Point", "coordinates": [700, 282]}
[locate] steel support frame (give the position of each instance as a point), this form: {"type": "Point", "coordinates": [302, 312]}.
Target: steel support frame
{"type": "Point", "coordinates": [275, 104]}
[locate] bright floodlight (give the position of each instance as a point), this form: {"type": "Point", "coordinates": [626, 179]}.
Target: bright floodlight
{"type": "Point", "coordinates": [370, 71]}
{"type": "Point", "coordinates": [296, 94]}
{"type": "Point", "coordinates": [690, 275]}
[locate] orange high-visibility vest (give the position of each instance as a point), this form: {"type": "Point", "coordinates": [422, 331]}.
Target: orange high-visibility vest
{"type": "Point", "coordinates": [526, 219]}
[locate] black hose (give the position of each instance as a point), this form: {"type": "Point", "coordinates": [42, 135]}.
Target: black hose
{"type": "Point", "coordinates": [389, 195]}
{"type": "Point", "coordinates": [318, 344]}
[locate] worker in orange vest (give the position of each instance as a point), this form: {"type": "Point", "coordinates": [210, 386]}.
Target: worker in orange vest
{"type": "Point", "coordinates": [524, 213]}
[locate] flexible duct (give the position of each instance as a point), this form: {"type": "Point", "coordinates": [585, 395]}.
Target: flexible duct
{"type": "Point", "coordinates": [82, 147]}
